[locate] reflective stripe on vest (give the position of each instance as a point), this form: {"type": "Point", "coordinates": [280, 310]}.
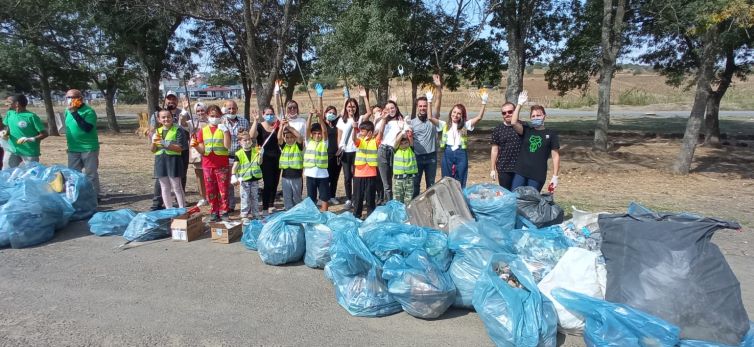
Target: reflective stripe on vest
{"type": "Point", "coordinates": [291, 158]}
{"type": "Point", "coordinates": [172, 136]}
{"type": "Point", "coordinates": [404, 162]}
{"type": "Point", "coordinates": [315, 154]}
{"type": "Point", "coordinates": [444, 140]}
{"type": "Point", "coordinates": [248, 169]}
{"type": "Point", "coordinates": [366, 153]}
{"type": "Point", "coordinates": [213, 143]}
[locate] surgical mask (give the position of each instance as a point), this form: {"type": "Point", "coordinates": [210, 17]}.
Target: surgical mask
{"type": "Point", "coordinates": [213, 120]}
{"type": "Point", "coordinates": [537, 122]}
{"type": "Point", "coordinates": [331, 116]}
{"type": "Point", "coordinates": [269, 118]}
{"type": "Point", "coordinates": [68, 102]}
{"type": "Point", "coordinates": [231, 116]}
{"type": "Point", "coordinates": [247, 146]}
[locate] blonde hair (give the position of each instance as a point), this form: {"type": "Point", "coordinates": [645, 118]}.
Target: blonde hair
{"type": "Point", "coordinates": [244, 135]}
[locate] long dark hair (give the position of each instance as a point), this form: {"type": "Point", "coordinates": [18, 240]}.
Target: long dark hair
{"type": "Point", "coordinates": [398, 113]}
{"type": "Point", "coordinates": [462, 123]}
{"type": "Point", "coordinates": [335, 110]}
{"type": "Point", "coordinates": [345, 109]}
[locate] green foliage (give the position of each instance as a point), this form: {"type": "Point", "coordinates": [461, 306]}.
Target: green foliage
{"type": "Point", "coordinates": [566, 102]}
{"type": "Point", "coordinates": [222, 78]}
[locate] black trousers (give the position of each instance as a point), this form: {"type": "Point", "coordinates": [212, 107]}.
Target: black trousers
{"type": "Point", "coordinates": [271, 176]}
{"type": "Point", "coordinates": [348, 167]}
{"type": "Point", "coordinates": [333, 172]}
{"type": "Point", "coordinates": [364, 188]}
{"type": "Point", "coordinates": [505, 179]}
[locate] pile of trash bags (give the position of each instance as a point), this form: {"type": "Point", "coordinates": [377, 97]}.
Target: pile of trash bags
{"type": "Point", "coordinates": [37, 200]}
{"type": "Point", "coordinates": [110, 223]}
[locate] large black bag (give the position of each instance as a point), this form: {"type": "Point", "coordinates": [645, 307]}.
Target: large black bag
{"type": "Point", "coordinates": [665, 264]}
{"type": "Point", "coordinates": [538, 208]}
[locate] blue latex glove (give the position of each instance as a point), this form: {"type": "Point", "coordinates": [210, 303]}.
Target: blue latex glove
{"type": "Point", "coordinates": [320, 90]}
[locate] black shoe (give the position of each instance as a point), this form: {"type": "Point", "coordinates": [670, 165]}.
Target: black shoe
{"type": "Point", "coordinates": [156, 208]}
{"type": "Point", "coordinates": [214, 217]}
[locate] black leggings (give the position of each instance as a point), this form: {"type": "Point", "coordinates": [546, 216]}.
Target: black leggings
{"type": "Point", "coordinates": [347, 161]}
{"type": "Point", "coordinates": [333, 172]}
{"type": "Point", "coordinates": [271, 177]}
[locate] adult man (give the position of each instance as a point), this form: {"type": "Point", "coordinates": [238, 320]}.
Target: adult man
{"type": "Point", "coordinates": [24, 131]}
{"type": "Point", "coordinates": [81, 136]}
{"type": "Point", "coordinates": [539, 144]}
{"type": "Point", "coordinates": [506, 144]}
{"type": "Point", "coordinates": [424, 127]}
{"type": "Point", "coordinates": [180, 118]}
{"type": "Point", "coordinates": [235, 125]}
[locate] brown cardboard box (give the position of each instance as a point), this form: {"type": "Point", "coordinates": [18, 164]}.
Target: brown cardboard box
{"type": "Point", "coordinates": [222, 233]}
{"type": "Point", "coordinates": [187, 228]}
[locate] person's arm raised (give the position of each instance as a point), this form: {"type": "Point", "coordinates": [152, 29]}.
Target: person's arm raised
{"type": "Point", "coordinates": [438, 94]}
{"type": "Point", "coordinates": [484, 96]}
{"type": "Point", "coordinates": [517, 126]}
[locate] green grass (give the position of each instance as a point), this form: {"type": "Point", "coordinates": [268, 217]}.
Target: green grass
{"type": "Point", "coordinates": [568, 102]}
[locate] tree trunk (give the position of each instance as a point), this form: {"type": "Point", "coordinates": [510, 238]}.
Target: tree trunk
{"type": "Point", "coordinates": [414, 89]}
{"type": "Point", "coordinates": [247, 99]}
{"type": "Point", "coordinates": [52, 127]}
{"type": "Point", "coordinates": [704, 77]}
{"type": "Point", "coordinates": [516, 64]}
{"type": "Point", "coordinates": [109, 92]}
{"type": "Point", "coordinates": [152, 82]}
{"type": "Point", "coordinates": [612, 35]}
{"type": "Point", "coordinates": [383, 89]}
{"type": "Point", "coordinates": [712, 120]}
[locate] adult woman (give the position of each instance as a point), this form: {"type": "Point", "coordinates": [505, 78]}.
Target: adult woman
{"type": "Point", "coordinates": [390, 126]}
{"type": "Point", "coordinates": [538, 145]}
{"type": "Point", "coordinates": [345, 140]}
{"type": "Point", "coordinates": [454, 141]}
{"type": "Point", "coordinates": [195, 158]}
{"type": "Point", "coordinates": [266, 134]}
{"type": "Point", "coordinates": [333, 164]}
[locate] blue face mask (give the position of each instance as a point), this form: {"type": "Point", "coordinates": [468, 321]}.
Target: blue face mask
{"type": "Point", "coordinates": [538, 122]}
{"type": "Point", "coordinates": [269, 118]}
{"type": "Point", "coordinates": [331, 116]}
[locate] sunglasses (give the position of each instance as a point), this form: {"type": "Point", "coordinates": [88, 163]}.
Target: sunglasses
{"type": "Point", "coordinates": [507, 112]}
{"type": "Point", "coordinates": [292, 107]}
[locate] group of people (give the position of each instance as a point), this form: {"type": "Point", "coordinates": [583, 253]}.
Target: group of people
{"type": "Point", "coordinates": [23, 131]}
{"type": "Point", "coordinates": [382, 154]}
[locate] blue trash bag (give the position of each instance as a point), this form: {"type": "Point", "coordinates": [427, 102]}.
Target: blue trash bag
{"type": "Point", "coordinates": [78, 191]}
{"type": "Point", "coordinates": [511, 307]}
{"type": "Point", "coordinates": [282, 238]}
{"type": "Point", "coordinates": [251, 234]}
{"type": "Point", "coordinates": [539, 249]}
{"type": "Point", "coordinates": [748, 341]}
{"type": "Point", "coordinates": [492, 203]}
{"type": "Point", "coordinates": [153, 225]}
{"type": "Point", "coordinates": [388, 238]}
{"type": "Point", "coordinates": [612, 324]}
{"type": "Point", "coordinates": [32, 217]}
{"type": "Point", "coordinates": [419, 285]}
{"type": "Point", "coordinates": [474, 243]}
{"type": "Point", "coordinates": [318, 238]}
{"type": "Point", "coordinates": [392, 211]}
{"type": "Point", "coordinates": [111, 222]}
{"type": "Point", "coordinates": [356, 275]}
{"type": "Point", "coordinates": [437, 248]}
{"type": "Point", "coordinates": [345, 221]}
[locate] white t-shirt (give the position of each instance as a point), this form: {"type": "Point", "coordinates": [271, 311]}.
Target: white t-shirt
{"type": "Point", "coordinates": [347, 136]}
{"type": "Point", "coordinates": [454, 136]}
{"type": "Point", "coordinates": [299, 124]}
{"type": "Point", "coordinates": [315, 172]}
{"type": "Point", "coordinates": [392, 129]}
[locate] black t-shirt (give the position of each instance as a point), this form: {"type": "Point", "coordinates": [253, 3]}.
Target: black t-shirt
{"type": "Point", "coordinates": [332, 136]}
{"type": "Point", "coordinates": [293, 173]}
{"type": "Point", "coordinates": [510, 144]}
{"type": "Point", "coordinates": [535, 150]}
{"type": "Point", "coordinates": [271, 148]}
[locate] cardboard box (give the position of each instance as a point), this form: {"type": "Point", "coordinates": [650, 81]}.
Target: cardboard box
{"type": "Point", "coordinates": [226, 233]}
{"type": "Point", "coordinates": [187, 228]}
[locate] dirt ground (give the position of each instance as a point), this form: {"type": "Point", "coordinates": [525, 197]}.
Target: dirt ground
{"type": "Point", "coordinates": [76, 290]}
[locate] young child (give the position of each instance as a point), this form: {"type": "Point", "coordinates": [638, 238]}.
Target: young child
{"type": "Point", "coordinates": [315, 163]}
{"type": "Point", "coordinates": [291, 164]}
{"type": "Point", "coordinates": [168, 164]}
{"type": "Point", "coordinates": [365, 172]}
{"type": "Point", "coordinates": [404, 168]}
{"type": "Point", "coordinates": [247, 172]}
{"type": "Point", "coordinates": [213, 142]}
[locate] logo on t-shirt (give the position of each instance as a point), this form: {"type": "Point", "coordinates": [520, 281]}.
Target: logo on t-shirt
{"type": "Point", "coordinates": [22, 124]}
{"type": "Point", "coordinates": [535, 141]}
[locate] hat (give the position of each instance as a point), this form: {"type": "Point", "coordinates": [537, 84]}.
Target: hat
{"type": "Point", "coordinates": [199, 105]}
{"type": "Point", "coordinates": [170, 93]}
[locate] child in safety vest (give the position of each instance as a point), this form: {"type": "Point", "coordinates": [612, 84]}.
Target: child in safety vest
{"type": "Point", "coordinates": [291, 164]}
{"type": "Point", "coordinates": [167, 144]}
{"type": "Point", "coordinates": [247, 172]}
{"type": "Point", "coordinates": [213, 142]}
{"type": "Point", "coordinates": [315, 163]}
{"type": "Point", "coordinates": [404, 168]}
{"type": "Point", "coordinates": [365, 167]}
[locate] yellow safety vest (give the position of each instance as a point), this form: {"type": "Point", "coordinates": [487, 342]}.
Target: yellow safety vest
{"type": "Point", "coordinates": [248, 168]}
{"type": "Point", "coordinates": [172, 136]}
{"type": "Point", "coordinates": [444, 140]}
{"type": "Point", "coordinates": [213, 143]}
{"type": "Point", "coordinates": [367, 153]}
{"type": "Point", "coordinates": [291, 158]}
{"type": "Point", "coordinates": [315, 154]}
{"type": "Point", "coordinates": [404, 162]}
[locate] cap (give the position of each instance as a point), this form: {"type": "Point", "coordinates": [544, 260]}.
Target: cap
{"type": "Point", "coordinates": [170, 93]}
{"type": "Point", "coordinates": [199, 105]}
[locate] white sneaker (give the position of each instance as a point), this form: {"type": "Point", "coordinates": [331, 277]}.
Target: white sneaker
{"type": "Point", "coordinates": [201, 203]}
{"type": "Point", "coordinates": [348, 205]}
{"type": "Point", "coordinates": [333, 201]}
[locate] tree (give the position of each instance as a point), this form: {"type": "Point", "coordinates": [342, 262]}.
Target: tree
{"type": "Point", "coordinates": [527, 42]}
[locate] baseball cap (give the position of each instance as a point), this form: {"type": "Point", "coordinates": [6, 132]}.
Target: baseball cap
{"type": "Point", "coordinates": [170, 93]}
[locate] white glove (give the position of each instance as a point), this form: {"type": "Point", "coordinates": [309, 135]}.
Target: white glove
{"type": "Point", "coordinates": [522, 98]}
{"type": "Point", "coordinates": [222, 127]}
{"type": "Point", "coordinates": [233, 180]}
{"type": "Point", "coordinates": [485, 96]}
{"type": "Point", "coordinates": [493, 174]}
{"type": "Point", "coordinates": [554, 181]}
{"type": "Point", "coordinates": [165, 143]}
{"type": "Point", "coordinates": [25, 140]}
{"type": "Point", "coordinates": [276, 90]}
{"type": "Point", "coordinates": [429, 95]}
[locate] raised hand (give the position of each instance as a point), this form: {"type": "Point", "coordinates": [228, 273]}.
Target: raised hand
{"type": "Point", "coordinates": [276, 91]}
{"type": "Point", "coordinates": [185, 103]}
{"type": "Point", "coordinates": [429, 96]}
{"type": "Point", "coordinates": [320, 90]}
{"type": "Point", "coordinates": [484, 95]}
{"type": "Point", "coordinates": [523, 97]}
{"type": "Point", "coordinates": [436, 80]}
{"type": "Point", "coordinates": [346, 93]}
{"type": "Point", "coordinates": [362, 91]}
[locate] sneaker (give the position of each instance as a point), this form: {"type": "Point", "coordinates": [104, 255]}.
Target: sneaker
{"type": "Point", "coordinates": [319, 202]}
{"type": "Point", "coordinates": [226, 217]}
{"type": "Point", "coordinates": [201, 203]}
{"type": "Point", "coordinates": [348, 205]}
{"type": "Point", "coordinates": [214, 217]}
{"type": "Point", "coordinates": [333, 201]}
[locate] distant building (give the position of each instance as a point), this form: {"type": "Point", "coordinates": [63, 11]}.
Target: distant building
{"type": "Point", "coordinates": [216, 92]}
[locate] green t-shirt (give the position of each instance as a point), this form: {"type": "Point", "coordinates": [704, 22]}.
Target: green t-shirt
{"type": "Point", "coordinates": [79, 140]}
{"type": "Point", "coordinates": [23, 124]}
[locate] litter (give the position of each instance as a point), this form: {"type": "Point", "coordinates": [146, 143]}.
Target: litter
{"type": "Point", "coordinates": [419, 285]}
{"type": "Point", "coordinates": [318, 237]}
{"type": "Point", "coordinates": [31, 217]}
{"type": "Point", "coordinates": [540, 209]}
{"type": "Point", "coordinates": [392, 211]}
{"type": "Point", "coordinates": [153, 225]}
{"type": "Point", "coordinates": [282, 238]}
{"type": "Point", "coordinates": [111, 223]}
{"type": "Point", "coordinates": [438, 205]}
{"type": "Point", "coordinates": [492, 203]}
{"type": "Point", "coordinates": [251, 234]}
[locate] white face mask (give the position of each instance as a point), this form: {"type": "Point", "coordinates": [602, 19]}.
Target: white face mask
{"type": "Point", "coordinates": [247, 146]}
{"type": "Point", "coordinates": [231, 116]}
{"type": "Point", "coordinates": [213, 120]}
{"type": "Point", "coordinates": [68, 101]}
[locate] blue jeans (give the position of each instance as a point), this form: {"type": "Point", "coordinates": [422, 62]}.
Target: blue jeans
{"type": "Point", "coordinates": [427, 164]}
{"type": "Point", "coordinates": [519, 181]}
{"type": "Point", "coordinates": [460, 160]}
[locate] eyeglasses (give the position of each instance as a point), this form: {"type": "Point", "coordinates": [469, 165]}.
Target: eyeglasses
{"type": "Point", "coordinates": [507, 112]}
{"type": "Point", "coordinates": [292, 107]}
